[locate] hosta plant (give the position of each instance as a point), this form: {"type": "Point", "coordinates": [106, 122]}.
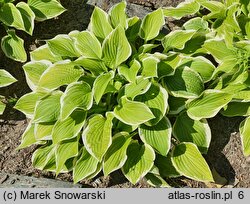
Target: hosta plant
{"type": "Point", "coordinates": [21, 16]}
{"type": "Point", "coordinates": [5, 80]}
{"type": "Point", "coordinates": [123, 95]}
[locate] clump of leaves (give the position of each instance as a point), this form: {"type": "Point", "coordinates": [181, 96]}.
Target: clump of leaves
{"type": "Point", "coordinates": [21, 16]}
{"type": "Point", "coordinates": [122, 95]}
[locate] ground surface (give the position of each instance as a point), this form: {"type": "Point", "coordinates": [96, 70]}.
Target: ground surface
{"type": "Point", "coordinates": [225, 154]}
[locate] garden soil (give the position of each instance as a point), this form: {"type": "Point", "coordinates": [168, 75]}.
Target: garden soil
{"type": "Point", "coordinates": [230, 168]}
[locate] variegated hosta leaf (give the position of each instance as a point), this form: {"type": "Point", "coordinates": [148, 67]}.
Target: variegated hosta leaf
{"type": "Point", "coordinates": [146, 48]}
{"type": "Point", "coordinates": [235, 108]}
{"type": "Point", "coordinates": [63, 45]}
{"type": "Point", "coordinates": [101, 84]}
{"type": "Point", "coordinates": [6, 78]}
{"type": "Point", "coordinates": [61, 73]}
{"type": "Point", "coordinates": [95, 66]}
{"type": "Point", "coordinates": [140, 86]}
{"type": "Point", "coordinates": [85, 166]}
{"type": "Point", "coordinates": [196, 131]}
{"type": "Point", "coordinates": [88, 45]}
{"type": "Point", "coordinates": [157, 136]}
{"type": "Point", "coordinates": [44, 156]}
{"type": "Point", "coordinates": [189, 162]}
{"type": "Point", "coordinates": [46, 9]}
{"type": "Point", "coordinates": [243, 95]}
{"type": "Point", "coordinates": [177, 39]}
{"type": "Point", "coordinates": [33, 71]}
{"type": "Point", "coordinates": [156, 181]}
{"type": "Point", "coordinates": [48, 108]}
{"type": "Point", "coordinates": [65, 151]}
{"type": "Point", "coordinates": [69, 127]}
{"type": "Point", "coordinates": [134, 24]}
{"type": "Point", "coordinates": [183, 9]}
{"type": "Point", "coordinates": [139, 162]}
{"type": "Point", "coordinates": [116, 155]}
{"type": "Point", "coordinates": [28, 137]}
{"type": "Point", "coordinates": [11, 16]}
{"type": "Point", "coordinates": [76, 95]}
{"type": "Point", "coordinates": [116, 48]}
{"type": "Point", "coordinates": [203, 66]}
{"type": "Point", "coordinates": [219, 50]}
{"type": "Point", "coordinates": [176, 105]}
{"type": "Point", "coordinates": [218, 9]}
{"type": "Point", "coordinates": [44, 53]}
{"type": "Point", "coordinates": [156, 98]}
{"type": "Point", "coordinates": [43, 131]}
{"type": "Point", "coordinates": [130, 73]}
{"type": "Point", "coordinates": [118, 15]}
{"type": "Point", "coordinates": [245, 135]}
{"type": "Point", "coordinates": [185, 83]}
{"type": "Point", "coordinates": [151, 25]}
{"type": "Point", "coordinates": [208, 105]}
{"type": "Point", "coordinates": [28, 17]}
{"type": "Point", "coordinates": [149, 65]}
{"type": "Point", "coordinates": [27, 103]}
{"type": "Point", "coordinates": [167, 67]}
{"type": "Point", "coordinates": [13, 47]}
{"type": "Point", "coordinates": [197, 23]}
{"type": "Point", "coordinates": [166, 167]}
{"type": "Point", "coordinates": [99, 24]}
{"type": "Point", "coordinates": [132, 112]}
{"type": "Point", "coordinates": [97, 136]}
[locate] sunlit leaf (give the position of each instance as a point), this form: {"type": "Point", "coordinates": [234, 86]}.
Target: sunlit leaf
{"type": "Point", "coordinates": [28, 16]}
{"type": "Point", "coordinates": [157, 136]}
{"type": "Point", "coordinates": [44, 53]}
{"type": "Point", "coordinates": [132, 112]}
{"type": "Point", "coordinates": [185, 83]}
{"type": "Point", "coordinates": [61, 73]}
{"type": "Point", "coordinates": [130, 73]}
{"type": "Point", "coordinates": [46, 9]}
{"type": "Point", "coordinates": [88, 45]}
{"type": "Point", "coordinates": [117, 15]}
{"type": "Point", "coordinates": [156, 98]}
{"type": "Point", "coordinates": [97, 135]}
{"type": "Point", "coordinates": [27, 103]}
{"type": "Point", "coordinates": [188, 161]}
{"type": "Point", "coordinates": [116, 154]}
{"type": "Point", "coordinates": [208, 105]}
{"type": "Point", "coordinates": [99, 24]}
{"type": "Point", "coordinates": [13, 47]}
{"type": "Point", "coordinates": [196, 131]}
{"type": "Point", "coordinates": [48, 108]}
{"type": "Point", "coordinates": [69, 127]}
{"type": "Point", "coordinates": [11, 16]}
{"type": "Point", "coordinates": [116, 48]}
{"type": "Point", "coordinates": [151, 25]}
{"type": "Point", "coordinates": [139, 162]}
{"type": "Point", "coordinates": [245, 135]}
{"type": "Point", "coordinates": [140, 86]}
{"type": "Point", "coordinates": [183, 9]}
{"type": "Point", "coordinates": [101, 84]}
{"type": "Point", "coordinates": [64, 151]}
{"type": "Point", "coordinates": [63, 45]}
{"type": "Point", "coordinates": [6, 78]}
{"type": "Point", "coordinates": [177, 39]}
{"type": "Point", "coordinates": [76, 95]}
{"type": "Point", "coordinates": [33, 71]}
{"type": "Point", "coordinates": [149, 67]}
{"type": "Point", "coordinates": [85, 166]}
